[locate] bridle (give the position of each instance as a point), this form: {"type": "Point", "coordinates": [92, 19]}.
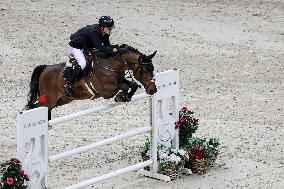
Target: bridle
{"type": "Point", "coordinates": [141, 64]}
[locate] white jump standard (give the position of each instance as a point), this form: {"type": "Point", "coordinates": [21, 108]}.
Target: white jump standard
{"type": "Point", "coordinates": [32, 125]}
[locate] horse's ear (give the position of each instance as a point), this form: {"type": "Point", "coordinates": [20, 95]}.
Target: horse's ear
{"type": "Point", "coordinates": [149, 57]}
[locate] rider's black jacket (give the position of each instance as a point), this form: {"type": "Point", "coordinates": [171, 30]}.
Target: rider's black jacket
{"type": "Point", "coordinates": [91, 37]}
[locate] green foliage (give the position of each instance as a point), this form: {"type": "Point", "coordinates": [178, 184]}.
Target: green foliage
{"type": "Point", "coordinates": [146, 146]}
{"type": "Point", "coordinates": [214, 142]}
{"type": "Point", "coordinates": [214, 145]}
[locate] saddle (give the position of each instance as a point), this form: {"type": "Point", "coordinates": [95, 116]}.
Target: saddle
{"type": "Point", "coordinates": [90, 57]}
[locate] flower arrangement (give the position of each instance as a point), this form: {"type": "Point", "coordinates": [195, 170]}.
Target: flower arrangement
{"type": "Point", "coordinates": [186, 124]}
{"type": "Point", "coordinates": [12, 175]}
{"type": "Point", "coordinates": [201, 152]}
{"type": "Point", "coordinates": [172, 161]}
{"type": "Point", "coordinates": [198, 151]}
{"type": "Point", "coordinates": [195, 153]}
{"type": "Point", "coordinates": [170, 157]}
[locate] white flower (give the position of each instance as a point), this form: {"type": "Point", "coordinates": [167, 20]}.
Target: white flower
{"type": "Point", "coordinates": [174, 158]}
{"type": "Point", "coordinates": [171, 155]}
{"type": "Point", "coordinates": [182, 152]}
{"type": "Point", "coordinates": [175, 151]}
{"type": "Point", "coordinates": [164, 156]}
{"type": "Point", "coordinates": [163, 150]}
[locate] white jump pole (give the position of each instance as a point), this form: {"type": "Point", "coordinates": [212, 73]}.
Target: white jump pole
{"type": "Point", "coordinates": [112, 174]}
{"type": "Point", "coordinates": [92, 110]}
{"type": "Point", "coordinates": [100, 143]}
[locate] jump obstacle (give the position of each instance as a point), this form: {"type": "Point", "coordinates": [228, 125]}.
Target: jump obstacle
{"type": "Point", "coordinates": [32, 126]}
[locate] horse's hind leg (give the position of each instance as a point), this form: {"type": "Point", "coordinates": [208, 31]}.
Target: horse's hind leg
{"type": "Point", "coordinates": [63, 100]}
{"type": "Point", "coordinates": [49, 114]}
{"type": "Point", "coordinates": [50, 103]}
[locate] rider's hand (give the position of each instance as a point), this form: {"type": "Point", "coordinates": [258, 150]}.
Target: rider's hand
{"type": "Point", "coordinates": [114, 50]}
{"type": "Point", "coordinates": [119, 50]}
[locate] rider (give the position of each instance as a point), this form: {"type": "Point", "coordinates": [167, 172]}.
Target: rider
{"type": "Point", "coordinates": [91, 36]}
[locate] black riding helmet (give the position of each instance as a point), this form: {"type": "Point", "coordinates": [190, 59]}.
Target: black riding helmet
{"type": "Point", "coordinates": [106, 21]}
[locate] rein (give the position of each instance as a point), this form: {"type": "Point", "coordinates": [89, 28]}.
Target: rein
{"type": "Point", "coordinates": [129, 68]}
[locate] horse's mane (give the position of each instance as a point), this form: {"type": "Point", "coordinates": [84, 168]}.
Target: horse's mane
{"type": "Point", "coordinates": [106, 56]}
{"type": "Point", "coordinates": [134, 50]}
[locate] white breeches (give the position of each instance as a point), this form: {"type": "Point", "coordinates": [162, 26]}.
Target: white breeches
{"type": "Point", "coordinates": [79, 56]}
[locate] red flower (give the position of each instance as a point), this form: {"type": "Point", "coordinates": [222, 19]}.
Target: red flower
{"type": "Point", "coordinates": [15, 160]}
{"type": "Point", "coordinates": [10, 181]}
{"type": "Point", "coordinates": [184, 109]}
{"type": "Point", "coordinates": [26, 177]}
{"type": "Point", "coordinates": [197, 147]}
{"type": "Point", "coordinates": [178, 123]}
{"type": "Point", "coordinates": [22, 172]}
{"type": "Point", "coordinates": [198, 155]}
{"type": "Point", "coordinates": [182, 119]}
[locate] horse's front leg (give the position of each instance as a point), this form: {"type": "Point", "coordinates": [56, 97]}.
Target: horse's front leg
{"type": "Point", "coordinates": [123, 96]}
{"type": "Point", "coordinates": [133, 86]}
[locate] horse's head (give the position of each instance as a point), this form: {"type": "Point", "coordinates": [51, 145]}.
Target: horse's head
{"type": "Point", "coordinates": [142, 67]}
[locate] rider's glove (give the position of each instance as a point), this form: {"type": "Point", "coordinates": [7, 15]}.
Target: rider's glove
{"type": "Point", "coordinates": [119, 50]}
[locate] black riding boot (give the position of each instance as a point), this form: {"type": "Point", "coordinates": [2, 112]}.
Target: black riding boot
{"type": "Point", "coordinates": [70, 74]}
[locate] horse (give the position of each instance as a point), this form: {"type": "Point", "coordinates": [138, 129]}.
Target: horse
{"type": "Point", "coordinates": [105, 78]}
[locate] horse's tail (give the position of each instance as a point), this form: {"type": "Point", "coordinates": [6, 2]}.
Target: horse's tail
{"type": "Point", "coordinates": [34, 87]}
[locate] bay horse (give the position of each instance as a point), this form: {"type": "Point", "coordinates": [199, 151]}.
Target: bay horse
{"type": "Point", "coordinates": [105, 78]}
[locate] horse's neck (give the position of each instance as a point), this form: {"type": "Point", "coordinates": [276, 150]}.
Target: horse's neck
{"type": "Point", "coordinates": [111, 63]}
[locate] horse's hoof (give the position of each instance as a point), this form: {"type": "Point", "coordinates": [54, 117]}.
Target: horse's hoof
{"type": "Point", "coordinates": [119, 98]}
{"type": "Point", "coordinates": [126, 99]}
{"type": "Point", "coordinates": [122, 98]}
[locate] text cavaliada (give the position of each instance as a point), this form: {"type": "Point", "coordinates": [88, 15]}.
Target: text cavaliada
{"type": "Point", "coordinates": [34, 123]}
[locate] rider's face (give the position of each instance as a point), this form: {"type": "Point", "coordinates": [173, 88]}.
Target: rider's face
{"type": "Point", "coordinates": [107, 30]}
